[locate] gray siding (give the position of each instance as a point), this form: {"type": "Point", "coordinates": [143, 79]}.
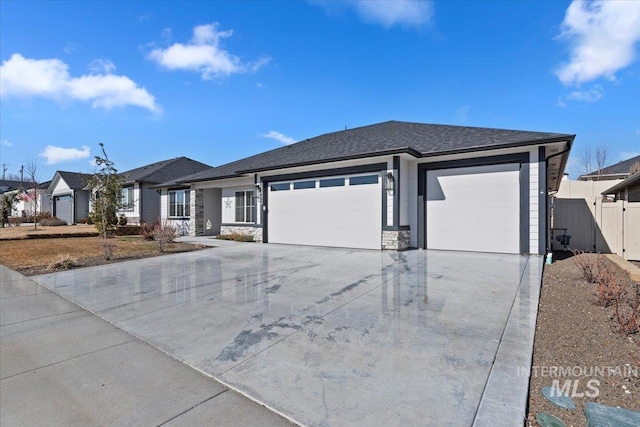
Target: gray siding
{"type": "Point", "coordinates": [150, 204]}
{"type": "Point", "coordinates": [81, 200]}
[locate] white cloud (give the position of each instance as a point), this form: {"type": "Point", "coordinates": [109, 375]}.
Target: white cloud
{"type": "Point", "coordinates": [101, 66]}
{"type": "Point", "coordinates": [49, 78]}
{"type": "Point", "coordinates": [6, 143]}
{"type": "Point", "coordinates": [144, 17]}
{"type": "Point", "coordinates": [53, 154]}
{"type": "Point", "coordinates": [204, 54]}
{"type": "Point", "coordinates": [391, 12]}
{"type": "Point", "coordinates": [603, 36]}
{"type": "Point", "coordinates": [588, 95]}
{"type": "Point", "coordinates": [286, 140]}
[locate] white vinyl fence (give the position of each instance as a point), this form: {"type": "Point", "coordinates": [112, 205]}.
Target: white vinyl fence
{"type": "Point", "coordinates": [596, 226]}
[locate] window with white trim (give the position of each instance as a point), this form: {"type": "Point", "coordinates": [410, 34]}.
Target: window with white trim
{"type": "Point", "coordinates": [245, 206]}
{"type": "Point", "coordinates": [179, 203]}
{"type": "Point", "coordinates": [127, 198]}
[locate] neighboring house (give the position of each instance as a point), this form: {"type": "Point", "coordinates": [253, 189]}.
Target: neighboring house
{"type": "Point", "coordinates": [25, 205]}
{"type": "Point", "coordinates": [618, 171]}
{"type": "Point", "coordinates": [140, 198]}
{"type": "Point", "coordinates": [10, 185]}
{"type": "Point", "coordinates": [70, 197]}
{"type": "Point", "coordinates": [627, 190]}
{"type": "Point", "coordinates": [391, 185]}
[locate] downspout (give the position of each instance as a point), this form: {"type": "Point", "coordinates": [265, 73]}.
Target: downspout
{"type": "Point", "coordinates": [546, 168]}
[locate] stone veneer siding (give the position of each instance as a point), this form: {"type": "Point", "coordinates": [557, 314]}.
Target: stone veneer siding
{"type": "Point", "coordinates": [255, 232]}
{"type": "Point", "coordinates": [395, 240]}
{"type": "Point", "coordinates": [196, 220]}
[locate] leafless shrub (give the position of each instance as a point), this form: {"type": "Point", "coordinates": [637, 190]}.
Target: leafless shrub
{"type": "Point", "coordinates": [62, 262]}
{"type": "Point", "coordinates": [610, 286]}
{"type": "Point", "coordinates": [238, 237]}
{"type": "Point", "coordinates": [163, 234]}
{"type": "Point", "coordinates": [590, 265]}
{"type": "Point", "coordinates": [108, 247]}
{"type": "Point", "coordinates": [146, 229]}
{"type": "Point", "coordinates": [627, 312]}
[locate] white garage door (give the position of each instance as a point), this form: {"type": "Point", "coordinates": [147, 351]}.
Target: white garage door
{"type": "Point", "coordinates": [64, 208]}
{"type": "Point", "coordinates": [340, 211]}
{"type": "Point", "coordinates": [474, 209]}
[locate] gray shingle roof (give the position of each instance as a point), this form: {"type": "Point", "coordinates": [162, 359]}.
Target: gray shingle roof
{"type": "Point", "coordinates": [627, 182]}
{"type": "Point", "coordinates": [390, 137]}
{"type": "Point", "coordinates": [7, 185]}
{"type": "Point", "coordinates": [75, 180]}
{"type": "Point", "coordinates": [164, 170]}
{"type": "Point", "coordinates": [620, 168]}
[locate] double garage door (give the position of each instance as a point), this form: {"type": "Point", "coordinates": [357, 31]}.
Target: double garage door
{"type": "Point", "coordinates": [340, 211]}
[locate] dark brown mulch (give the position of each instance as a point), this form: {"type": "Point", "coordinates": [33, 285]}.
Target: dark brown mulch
{"type": "Point", "coordinates": [572, 331]}
{"type": "Point", "coordinates": [95, 261]}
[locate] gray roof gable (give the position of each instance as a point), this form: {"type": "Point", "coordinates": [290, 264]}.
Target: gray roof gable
{"type": "Point", "coordinates": [620, 168]}
{"type": "Point", "coordinates": [392, 137]}
{"type": "Point", "coordinates": [164, 170]}
{"type": "Point", "coordinates": [75, 180]}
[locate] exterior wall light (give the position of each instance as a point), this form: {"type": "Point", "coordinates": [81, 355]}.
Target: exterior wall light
{"type": "Point", "coordinates": [391, 184]}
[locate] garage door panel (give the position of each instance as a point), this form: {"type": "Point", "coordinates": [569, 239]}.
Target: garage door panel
{"type": "Point", "coordinates": [474, 208]}
{"type": "Point", "coordinates": [64, 208]}
{"type": "Point", "coordinates": [344, 216]}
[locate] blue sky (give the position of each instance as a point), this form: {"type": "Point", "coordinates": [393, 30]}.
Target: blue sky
{"type": "Point", "coordinates": [218, 81]}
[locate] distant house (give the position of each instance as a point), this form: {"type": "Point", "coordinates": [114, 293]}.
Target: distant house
{"type": "Point", "coordinates": [70, 197]}
{"type": "Point", "coordinates": [140, 198]}
{"type": "Point", "coordinates": [627, 189]}
{"type": "Point", "coordinates": [620, 170]}
{"type": "Point", "coordinates": [25, 205]}
{"type": "Point", "coordinates": [10, 185]}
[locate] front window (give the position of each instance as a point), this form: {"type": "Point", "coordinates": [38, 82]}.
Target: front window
{"type": "Point", "coordinates": [179, 203]}
{"type": "Point", "coordinates": [127, 198]}
{"type": "Point", "coordinates": [245, 206]}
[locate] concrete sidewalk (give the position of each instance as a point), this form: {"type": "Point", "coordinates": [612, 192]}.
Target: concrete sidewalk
{"type": "Point", "coordinates": [61, 365]}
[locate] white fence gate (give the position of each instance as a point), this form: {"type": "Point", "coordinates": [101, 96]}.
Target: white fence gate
{"type": "Point", "coordinates": [596, 226]}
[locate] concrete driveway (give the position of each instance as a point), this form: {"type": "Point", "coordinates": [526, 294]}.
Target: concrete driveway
{"type": "Point", "coordinates": [335, 336]}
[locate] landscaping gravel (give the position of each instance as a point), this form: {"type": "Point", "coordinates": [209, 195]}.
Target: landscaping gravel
{"type": "Point", "coordinates": [572, 332]}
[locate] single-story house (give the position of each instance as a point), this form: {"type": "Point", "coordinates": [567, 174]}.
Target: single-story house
{"type": "Point", "coordinates": [70, 197]}
{"type": "Point", "coordinates": [140, 199]}
{"type": "Point", "coordinates": [627, 189]}
{"type": "Point", "coordinates": [390, 185]}
{"type": "Point", "coordinates": [620, 170]}
{"type": "Point", "coordinates": [27, 207]}
{"type": "Point", "coordinates": [7, 185]}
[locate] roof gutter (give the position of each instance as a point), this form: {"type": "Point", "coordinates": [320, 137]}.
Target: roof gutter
{"type": "Point", "coordinates": [563, 165]}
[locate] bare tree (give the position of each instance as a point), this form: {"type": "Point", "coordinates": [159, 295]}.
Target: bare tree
{"type": "Point", "coordinates": [600, 154]}
{"type": "Point", "coordinates": [594, 159]}
{"type": "Point", "coordinates": [635, 168]}
{"type": "Point", "coordinates": [585, 158]}
{"type": "Point", "coordinates": [33, 192]}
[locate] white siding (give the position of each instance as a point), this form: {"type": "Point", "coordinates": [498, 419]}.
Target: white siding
{"type": "Point", "coordinates": [534, 213]}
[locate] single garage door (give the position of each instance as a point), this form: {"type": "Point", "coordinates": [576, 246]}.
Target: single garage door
{"type": "Point", "coordinates": [474, 209]}
{"type": "Point", "coordinates": [63, 208]}
{"type": "Point", "coordinates": [340, 211]}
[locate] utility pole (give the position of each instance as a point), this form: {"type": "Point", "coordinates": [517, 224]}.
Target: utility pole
{"type": "Point", "coordinates": [4, 170]}
{"type": "Point", "coordinates": [21, 173]}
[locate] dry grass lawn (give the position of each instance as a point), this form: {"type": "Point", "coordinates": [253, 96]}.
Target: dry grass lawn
{"type": "Point", "coordinates": [22, 231]}
{"type": "Point", "coordinates": [32, 256]}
